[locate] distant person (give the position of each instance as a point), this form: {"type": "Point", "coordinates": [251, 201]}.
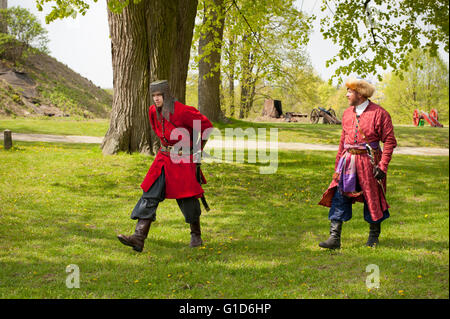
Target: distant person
{"type": "Point", "coordinates": [175, 172]}
{"type": "Point", "coordinates": [364, 125]}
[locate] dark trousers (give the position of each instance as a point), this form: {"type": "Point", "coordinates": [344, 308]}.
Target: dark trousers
{"type": "Point", "coordinates": [341, 209]}
{"type": "Point", "coordinates": [148, 203]}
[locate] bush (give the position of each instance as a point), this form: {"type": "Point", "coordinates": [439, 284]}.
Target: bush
{"type": "Point", "coordinates": [25, 34]}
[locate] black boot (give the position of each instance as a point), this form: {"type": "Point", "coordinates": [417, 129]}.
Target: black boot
{"type": "Point", "coordinates": [196, 239]}
{"type": "Point", "coordinates": [374, 233]}
{"type": "Point", "coordinates": [334, 241]}
{"type": "Point", "coordinates": [140, 234]}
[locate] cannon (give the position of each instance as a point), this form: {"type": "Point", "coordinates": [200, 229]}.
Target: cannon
{"type": "Point", "coordinates": [329, 116]}
{"type": "Point", "coordinates": [431, 118]}
{"type": "Point", "coordinates": [293, 116]}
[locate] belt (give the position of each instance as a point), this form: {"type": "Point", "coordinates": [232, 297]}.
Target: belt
{"type": "Point", "coordinates": [356, 151]}
{"type": "Point", "coordinates": [169, 148]}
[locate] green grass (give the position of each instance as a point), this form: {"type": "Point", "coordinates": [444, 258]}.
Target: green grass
{"type": "Point", "coordinates": [63, 204]}
{"type": "Point", "coordinates": [407, 136]}
{"type": "Point", "coordinates": [55, 126]}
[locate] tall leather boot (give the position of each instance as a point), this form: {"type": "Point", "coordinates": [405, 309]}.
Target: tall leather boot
{"type": "Point", "coordinates": [140, 234]}
{"type": "Point", "coordinates": [374, 233]}
{"type": "Point", "coordinates": [196, 239]}
{"type": "Point", "coordinates": [334, 241]}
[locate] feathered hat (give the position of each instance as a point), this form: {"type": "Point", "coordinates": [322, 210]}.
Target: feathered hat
{"type": "Point", "coordinates": [360, 85]}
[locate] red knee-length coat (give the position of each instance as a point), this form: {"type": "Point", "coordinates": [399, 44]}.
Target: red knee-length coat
{"type": "Point", "coordinates": [181, 181]}
{"type": "Point", "coordinates": [376, 125]}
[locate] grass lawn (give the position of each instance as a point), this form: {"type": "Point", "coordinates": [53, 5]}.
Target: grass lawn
{"type": "Point", "coordinates": [63, 204]}
{"type": "Point", "coordinates": [55, 126]}
{"type": "Point", "coordinates": [407, 136]}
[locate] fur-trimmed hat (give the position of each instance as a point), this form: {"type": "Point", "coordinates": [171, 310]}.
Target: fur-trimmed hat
{"type": "Point", "coordinates": [363, 87]}
{"type": "Point", "coordinates": [168, 104]}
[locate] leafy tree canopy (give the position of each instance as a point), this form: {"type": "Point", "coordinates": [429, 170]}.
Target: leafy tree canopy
{"type": "Point", "coordinates": [70, 8]}
{"type": "Point", "coordinates": [381, 33]}
{"type": "Point", "coordinates": [24, 33]}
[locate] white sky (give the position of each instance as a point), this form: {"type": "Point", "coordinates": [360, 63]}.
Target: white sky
{"type": "Point", "coordinates": [84, 45]}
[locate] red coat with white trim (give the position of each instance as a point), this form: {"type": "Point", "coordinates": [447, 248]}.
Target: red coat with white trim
{"type": "Point", "coordinates": [181, 181]}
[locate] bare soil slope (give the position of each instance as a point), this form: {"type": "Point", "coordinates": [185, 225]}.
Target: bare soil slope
{"type": "Point", "coordinates": [43, 86]}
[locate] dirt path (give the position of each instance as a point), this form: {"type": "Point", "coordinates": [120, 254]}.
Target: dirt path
{"type": "Point", "coordinates": [226, 144]}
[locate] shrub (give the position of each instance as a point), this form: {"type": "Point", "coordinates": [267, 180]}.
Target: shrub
{"type": "Point", "coordinates": [24, 36]}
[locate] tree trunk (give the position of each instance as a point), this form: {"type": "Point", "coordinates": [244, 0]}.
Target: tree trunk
{"type": "Point", "coordinates": [246, 77]}
{"type": "Point", "coordinates": [170, 29]}
{"type": "Point", "coordinates": [150, 40]}
{"type": "Point", "coordinates": [3, 24]}
{"type": "Point", "coordinates": [209, 65]}
{"type": "Point", "coordinates": [129, 128]}
{"type": "Point", "coordinates": [231, 80]}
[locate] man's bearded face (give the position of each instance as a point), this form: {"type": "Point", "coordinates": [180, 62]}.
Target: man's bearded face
{"type": "Point", "coordinates": [353, 97]}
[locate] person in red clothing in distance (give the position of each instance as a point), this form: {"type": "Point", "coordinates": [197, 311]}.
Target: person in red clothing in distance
{"type": "Point", "coordinates": [361, 165]}
{"type": "Point", "coordinates": [175, 173]}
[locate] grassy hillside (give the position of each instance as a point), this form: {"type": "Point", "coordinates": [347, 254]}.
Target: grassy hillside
{"type": "Point", "coordinates": [41, 85]}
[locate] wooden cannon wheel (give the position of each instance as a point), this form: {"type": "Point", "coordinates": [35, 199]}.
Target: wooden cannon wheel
{"type": "Point", "coordinates": [434, 113]}
{"type": "Point", "coordinates": [332, 112]}
{"type": "Point", "coordinates": [314, 117]}
{"type": "Point", "coordinates": [416, 117]}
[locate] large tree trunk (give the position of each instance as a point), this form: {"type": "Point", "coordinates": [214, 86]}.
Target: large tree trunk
{"type": "Point", "coordinates": [170, 29]}
{"type": "Point", "coordinates": [209, 65]}
{"type": "Point", "coordinates": [129, 128]}
{"type": "Point", "coordinates": [3, 24]}
{"type": "Point", "coordinates": [150, 40]}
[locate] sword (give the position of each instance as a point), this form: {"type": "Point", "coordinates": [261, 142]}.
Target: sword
{"type": "Point", "coordinates": [197, 156]}
{"type": "Point", "coordinates": [372, 161]}
{"type": "Point", "coordinates": [203, 199]}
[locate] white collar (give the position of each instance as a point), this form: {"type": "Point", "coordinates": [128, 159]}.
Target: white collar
{"type": "Point", "coordinates": [360, 108]}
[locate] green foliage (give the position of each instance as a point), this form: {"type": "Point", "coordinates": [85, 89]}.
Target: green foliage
{"type": "Point", "coordinates": [381, 33]}
{"type": "Point", "coordinates": [70, 8]}
{"type": "Point", "coordinates": [424, 86]}
{"type": "Point", "coordinates": [336, 99]}
{"type": "Point", "coordinates": [70, 101]}
{"type": "Point", "coordinates": [262, 40]}
{"type": "Point", "coordinates": [25, 34]}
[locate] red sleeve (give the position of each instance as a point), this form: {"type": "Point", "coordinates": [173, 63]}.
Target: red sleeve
{"type": "Point", "coordinates": [387, 136]}
{"type": "Point", "coordinates": [340, 149]}
{"type": "Point", "coordinates": [190, 114]}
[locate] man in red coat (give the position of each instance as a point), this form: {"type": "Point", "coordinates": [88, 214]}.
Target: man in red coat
{"type": "Point", "coordinates": [356, 178]}
{"type": "Point", "coordinates": [175, 172]}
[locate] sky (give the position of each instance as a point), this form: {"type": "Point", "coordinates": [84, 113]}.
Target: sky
{"type": "Point", "coordinates": [83, 43]}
